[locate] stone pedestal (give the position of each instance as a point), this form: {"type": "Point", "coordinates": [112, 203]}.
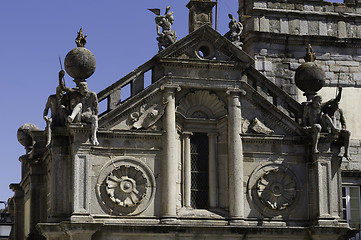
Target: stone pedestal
{"type": "Point", "coordinates": [60, 176]}
{"type": "Point", "coordinates": [325, 188]}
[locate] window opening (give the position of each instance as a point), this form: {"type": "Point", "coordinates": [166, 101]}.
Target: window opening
{"type": "Point", "coordinates": [199, 171]}
{"type": "Point", "coordinates": [351, 207]}
{"type": "Point", "coordinates": [147, 78]}
{"type": "Point", "coordinates": [125, 92]}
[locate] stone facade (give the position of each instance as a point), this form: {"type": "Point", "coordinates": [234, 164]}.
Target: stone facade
{"type": "Point", "coordinates": [213, 148]}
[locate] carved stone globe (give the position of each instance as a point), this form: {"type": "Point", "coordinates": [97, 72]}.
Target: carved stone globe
{"type": "Point", "coordinates": [24, 136]}
{"type": "Point", "coordinates": [80, 63]}
{"type": "Point", "coordinates": [309, 78]}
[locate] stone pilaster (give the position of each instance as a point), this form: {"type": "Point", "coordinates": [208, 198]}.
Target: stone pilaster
{"type": "Point", "coordinates": [212, 171]}
{"type": "Point", "coordinates": [325, 188]}
{"type": "Point", "coordinates": [80, 149]}
{"type": "Point", "coordinates": [187, 168]}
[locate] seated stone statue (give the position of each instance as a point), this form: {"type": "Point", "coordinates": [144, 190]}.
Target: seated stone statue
{"type": "Point", "coordinates": [311, 119]}
{"type": "Point", "coordinates": [326, 117]}
{"type": "Point", "coordinates": [84, 105]}
{"type": "Point", "coordinates": [334, 122]}
{"type": "Point", "coordinates": [57, 105]}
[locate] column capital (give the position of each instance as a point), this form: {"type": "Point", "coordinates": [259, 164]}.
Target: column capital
{"type": "Point", "coordinates": [212, 134]}
{"type": "Point", "coordinates": [187, 133]}
{"type": "Point", "coordinates": [235, 91]}
{"type": "Point", "coordinates": [170, 87]}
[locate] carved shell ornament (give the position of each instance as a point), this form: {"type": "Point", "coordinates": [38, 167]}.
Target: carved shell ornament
{"type": "Point", "coordinates": [276, 189]}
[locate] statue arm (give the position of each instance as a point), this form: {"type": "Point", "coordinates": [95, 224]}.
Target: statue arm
{"type": "Point", "coordinates": [338, 98]}
{"type": "Point", "coordinates": [305, 116]}
{"type": "Point", "coordinates": [47, 106]}
{"type": "Point", "coordinates": [342, 120]}
{"type": "Point", "coordinates": [95, 104]}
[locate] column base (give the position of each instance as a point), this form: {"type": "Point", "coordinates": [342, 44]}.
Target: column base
{"type": "Point", "coordinates": [171, 220]}
{"type": "Point", "coordinates": [238, 222]}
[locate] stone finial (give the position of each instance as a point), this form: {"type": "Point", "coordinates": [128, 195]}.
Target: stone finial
{"type": "Point", "coordinates": [309, 77]}
{"type": "Point", "coordinates": [80, 63]}
{"type": "Point", "coordinates": [200, 13]}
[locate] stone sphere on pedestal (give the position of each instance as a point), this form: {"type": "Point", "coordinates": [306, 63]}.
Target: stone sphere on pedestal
{"type": "Point", "coordinates": [24, 136]}
{"type": "Point", "coordinates": [309, 78]}
{"type": "Point", "coordinates": [80, 63]}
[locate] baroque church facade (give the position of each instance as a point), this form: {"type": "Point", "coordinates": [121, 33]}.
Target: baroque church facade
{"type": "Point", "coordinates": [217, 146]}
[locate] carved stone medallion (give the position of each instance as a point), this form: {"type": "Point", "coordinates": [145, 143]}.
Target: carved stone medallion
{"type": "Point", "coordinates": [126, 186]}
{"type": "Point", "coordinates": [276, 189]}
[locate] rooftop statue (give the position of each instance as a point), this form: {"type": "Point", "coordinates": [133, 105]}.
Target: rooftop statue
{"type": "Point", "coordinates": [326, 117]}
{"type": "Point", "coordinates": [85, 109]}
{"type": "Point", "coordinates": [167, 36]}
{"type": "Point", "coordinates": [235, 31]}
{"type": "Point", "coordinates": [57, 105]}
{"type": "Point", "coordinates": [310, 54]}
{"type": "Point", "coordinates": [80, 40]}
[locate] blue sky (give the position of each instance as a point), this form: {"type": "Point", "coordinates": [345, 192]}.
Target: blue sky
{"type": "Point", "coordinates": [121, 34]}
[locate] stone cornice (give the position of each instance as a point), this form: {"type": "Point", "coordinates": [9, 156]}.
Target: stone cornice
{"type": "Point", "coordinates": [204, 64]}
{"type": "Point", "coordinates": [129, 134]}
{"type": "Point", "coordinates": [303, 13]}
{"type": "Point", "coordinates": [282, 38]}
{"type": "Point", "coordinates": [273, 139]}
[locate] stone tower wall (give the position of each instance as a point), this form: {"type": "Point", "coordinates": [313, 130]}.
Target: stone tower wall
{"type": "Point", "coordinates": [276, 34]}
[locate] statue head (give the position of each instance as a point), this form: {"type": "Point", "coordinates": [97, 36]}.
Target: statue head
{"type": "Point", "coordinates": [169, 16]}
{"type": "Point", "coordinates": [83, 88]}
{"type": "Point", "coordinates": [316, 101]}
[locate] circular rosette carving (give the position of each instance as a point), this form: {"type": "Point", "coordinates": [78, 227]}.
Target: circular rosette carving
{"type": "Point", "coordinates": [276, 189]}
{"type": "Point", "coordinates": [126, 186]}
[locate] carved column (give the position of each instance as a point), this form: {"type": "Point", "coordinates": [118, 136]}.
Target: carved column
{"type": "Point", "coordinates": [235, 156]}
{"type": "Point", "coordinates": [187, 168]}
{"type": "Point", "coordinates": [170, 153]}
{"type": "Point", "coordinates": [212, 169]}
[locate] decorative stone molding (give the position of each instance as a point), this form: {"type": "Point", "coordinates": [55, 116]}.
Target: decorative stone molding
{"type": "Point", "coordinates": [125, 186]}
{"type": "Point", "coordinates": [201, 104]}
{"type": "Point", "coordinates": [273, 189]}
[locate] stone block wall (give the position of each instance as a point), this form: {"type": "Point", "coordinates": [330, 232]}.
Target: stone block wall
{"type": "Point", "coordinates": [276, 34]}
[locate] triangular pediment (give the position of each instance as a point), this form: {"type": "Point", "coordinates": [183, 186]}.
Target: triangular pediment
{"type": "Point", "coordinates": [203, 81]}
{"type": "Point", "coordinates": [206, 44]}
